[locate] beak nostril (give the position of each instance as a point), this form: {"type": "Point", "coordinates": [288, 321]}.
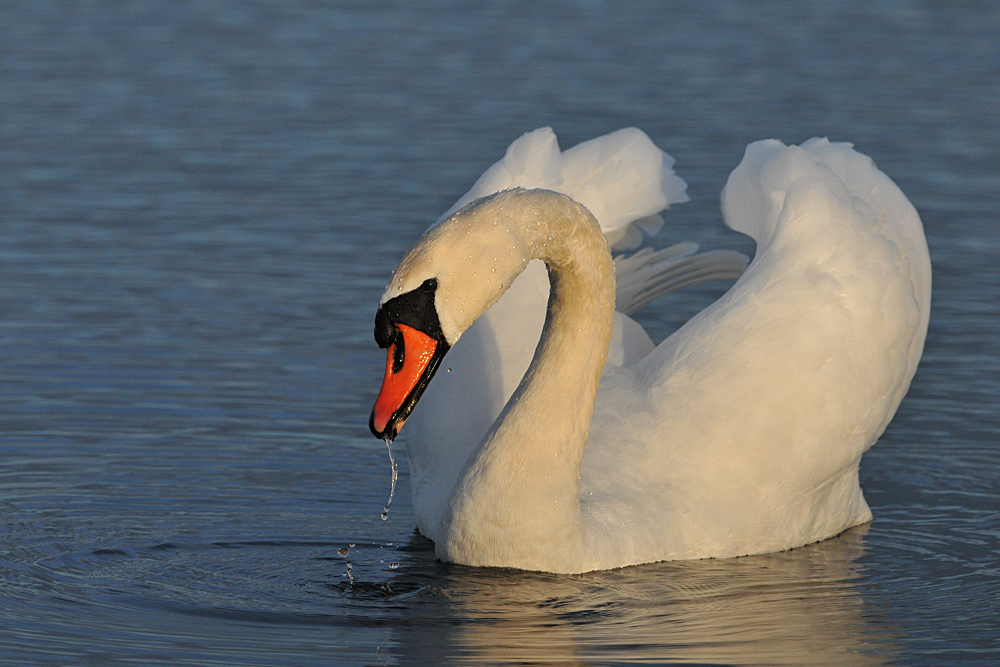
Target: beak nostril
{"type": "Point", "coordinates": [385, 332]}
{"type": "Point", "coordinates": [398, 352]}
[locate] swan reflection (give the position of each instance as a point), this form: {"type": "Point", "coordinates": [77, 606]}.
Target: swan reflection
{"type": "Point", "coordinates": [796, 607]}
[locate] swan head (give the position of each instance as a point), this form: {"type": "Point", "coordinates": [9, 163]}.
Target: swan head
{"type": "Point", "coordinates": [451, 276]}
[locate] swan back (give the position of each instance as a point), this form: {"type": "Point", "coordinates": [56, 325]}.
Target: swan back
{"type": "Point", "coordinates": [745, 428]}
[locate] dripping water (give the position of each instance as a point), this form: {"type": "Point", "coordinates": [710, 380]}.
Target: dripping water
{"type": "Point", "coordinates": [395, 474]}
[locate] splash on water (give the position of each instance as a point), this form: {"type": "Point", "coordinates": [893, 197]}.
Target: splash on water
{"type": "Point", "coordinates": [395, 474]}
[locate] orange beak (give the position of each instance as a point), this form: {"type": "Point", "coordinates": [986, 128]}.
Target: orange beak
{"type": "Point", "coordinates": [408, 367]}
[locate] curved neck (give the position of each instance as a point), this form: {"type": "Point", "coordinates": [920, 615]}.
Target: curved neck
{"type": "Point", "coordinates": [519, 491]}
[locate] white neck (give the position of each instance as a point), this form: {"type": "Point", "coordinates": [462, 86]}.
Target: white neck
{"type": "Point", "coordinates": [516, 501]}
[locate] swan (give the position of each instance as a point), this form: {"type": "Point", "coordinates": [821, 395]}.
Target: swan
{"type": "Point", "coordinates": [741, 433]}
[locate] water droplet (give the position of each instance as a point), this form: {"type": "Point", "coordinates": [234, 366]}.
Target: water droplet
{"type": "Point", "coordinates": [393, 566]}
{"type": "Point", "coordinates": [342, 552]}
{"type": "Point", "coordinates": [350, 572]}
{"type": "Point", "coordinates": [351, 545]}
{"type": "Point", "coordinates": [395, 475]}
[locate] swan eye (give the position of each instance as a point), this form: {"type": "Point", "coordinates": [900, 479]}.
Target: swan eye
{"type": "Point", "coordinates": [429, 285]}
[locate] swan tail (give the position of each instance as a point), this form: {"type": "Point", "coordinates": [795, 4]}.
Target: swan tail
{"type": "Point", "coordinates": [754, 199]}
{"type": "Point", "coordinates": [647, 274]}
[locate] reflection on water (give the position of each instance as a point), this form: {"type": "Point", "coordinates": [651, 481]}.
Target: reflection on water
{"type": "Point", "coordinates": [388, 602]}
{"type": "Point", "coordinates": [796, 608]}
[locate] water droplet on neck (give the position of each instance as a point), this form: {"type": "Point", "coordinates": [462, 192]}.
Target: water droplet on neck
{"type": "Point", "coordinates": [395, 474]}
{"type": "Point", "coordinates": [350, 573]}
{"type": "Point", "coordinates": [342, 552]}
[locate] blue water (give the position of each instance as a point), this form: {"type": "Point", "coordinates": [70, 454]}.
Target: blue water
{"type": "Point", "coordinates": [200, 204]}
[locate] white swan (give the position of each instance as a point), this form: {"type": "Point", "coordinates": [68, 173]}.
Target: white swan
{"type": "Point", "coordinates": [739, 434]}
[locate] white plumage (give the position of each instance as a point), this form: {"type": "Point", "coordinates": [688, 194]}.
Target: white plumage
{"type": "Point", "coordinates": [741, 433]}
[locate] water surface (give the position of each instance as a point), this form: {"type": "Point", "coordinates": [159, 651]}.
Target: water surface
{"type": "Point", "coordinates": [200, 205]}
